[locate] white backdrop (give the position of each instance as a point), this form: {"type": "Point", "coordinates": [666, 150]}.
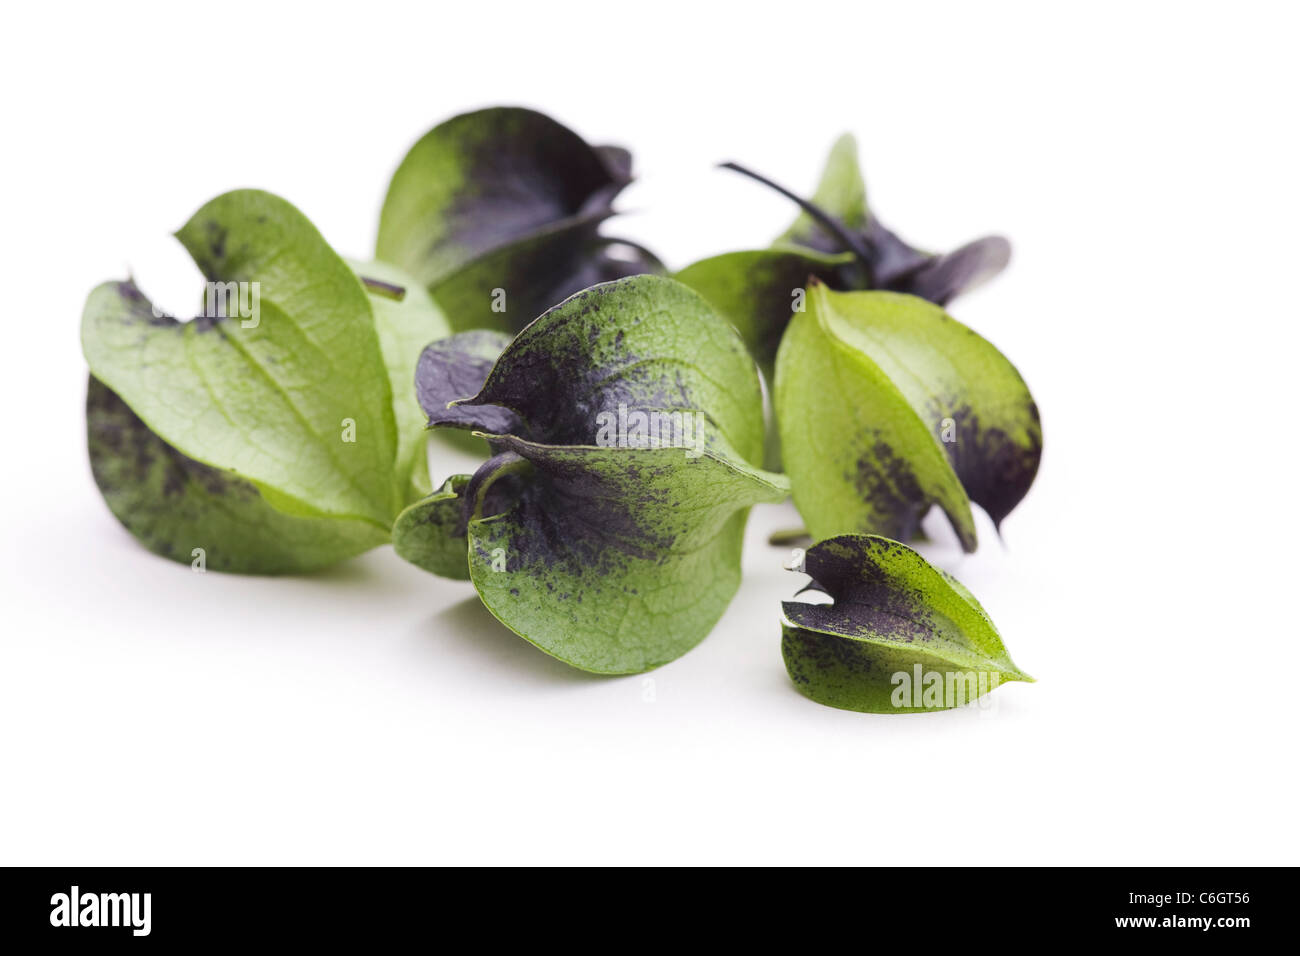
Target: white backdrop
{"type": "Point", "coordinates": [1142, 158]}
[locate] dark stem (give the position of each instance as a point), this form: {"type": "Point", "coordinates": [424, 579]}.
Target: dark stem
{"type": "Point", "coordinates": [387, 289]}
{"type": "Point", "coordinates": [853, 242]}
{"type": "Point", "coordinates": [790, 537]}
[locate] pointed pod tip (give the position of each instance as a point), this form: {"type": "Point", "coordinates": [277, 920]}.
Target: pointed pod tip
{"type": "Point", "coordinates": [996, 253]}
{"type": "Point", "coordinates": [1002, 539]}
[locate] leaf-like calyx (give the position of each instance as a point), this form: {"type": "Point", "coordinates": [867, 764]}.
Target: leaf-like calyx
{"type": "Point", "coordinates": [887, 406]}
{"type": "Point", "coordinates": [276, 431]}
{"type": "Point", "coordinates": [498, 211]}
{"type": "Point", "coordinates": [606, 529]}
{"type": "Point", "coordinates": [901, 635]}
{"type": "Point", "coordinates": [837, 240]}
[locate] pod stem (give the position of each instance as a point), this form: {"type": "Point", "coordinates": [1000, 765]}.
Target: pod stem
{"type": "Point", "coordinates": [854, 243]}
{"type": "Point", "coordinates": [379, 287]}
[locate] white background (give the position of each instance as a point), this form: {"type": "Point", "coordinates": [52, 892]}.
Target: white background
{"type": "Point", "coordinates": [1143, 159]}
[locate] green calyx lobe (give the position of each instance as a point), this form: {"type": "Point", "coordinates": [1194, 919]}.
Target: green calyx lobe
{"type": "Point", "coordinates": [497, 212]}
{"type": "Point", "coordinates": [901, 636]}
{"type": "Point", "coordinates": [277, 430]}
{"type": "Point", "coordinates": [431, 532]}
{"type": "Point", "coordinates": [759, 290]}
{"type": "Point", "coordinates": [607, 527]}
{"type": "Point", "coordinates": [886, 406]}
